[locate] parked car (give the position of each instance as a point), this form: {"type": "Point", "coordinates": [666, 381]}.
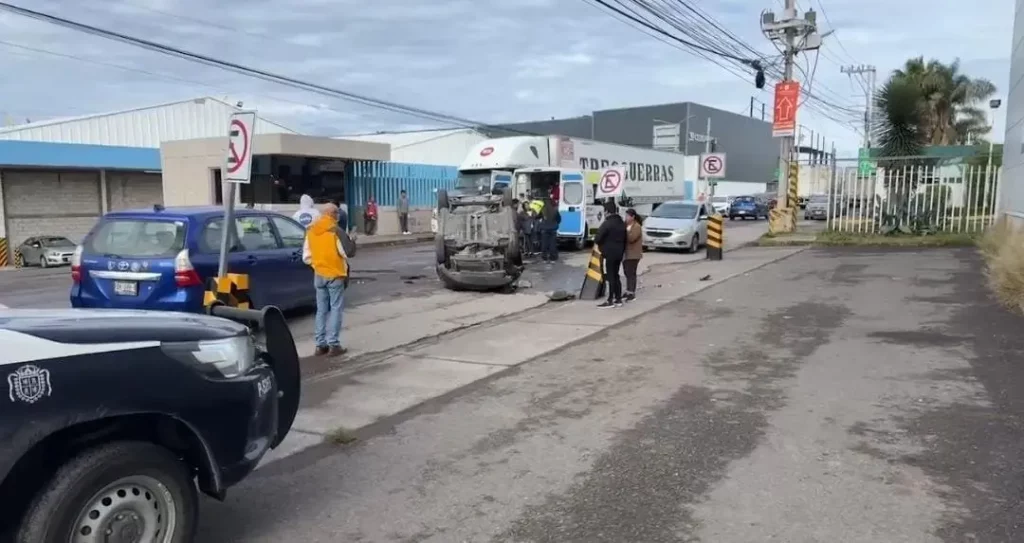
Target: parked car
{"type": "Point", "coordinates": [817, 207]}
{"type": "Point", "coordinates": [748, 207]}
{"type": "Point", "coordinates": [162, 259]}
{"type": "Point", "coordinates": [46, 251]}
{"type": "Point", "coordinates": [117, 418]}
{"type": "Point", "coordinates": [677, 225]}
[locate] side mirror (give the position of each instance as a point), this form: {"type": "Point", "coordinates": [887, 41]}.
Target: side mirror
{"type": "Point", "coordinates": [36, 245]}
{"type": "Point", "coordinates": [702, 218]}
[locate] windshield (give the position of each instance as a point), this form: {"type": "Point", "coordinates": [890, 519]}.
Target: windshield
{"type": "Point", "coordinates": [744, 200]}
{"type": "Point", "coordinates": [474, 181]}
{"type": "Point", "coordinates": [675, 211]}
{"type": "Point", "coordinates": [57, 242]}
{"type": "Point", "coordinates": [819, 199]}
{"type": "Point", "coordinates": [119, 238]}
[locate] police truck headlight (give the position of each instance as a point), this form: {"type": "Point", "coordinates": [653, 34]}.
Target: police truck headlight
{"type": "Point", "coordinates": [221, 357]}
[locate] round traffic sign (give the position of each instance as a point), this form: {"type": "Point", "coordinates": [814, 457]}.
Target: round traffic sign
{"type": "Point", "coordinates": [486, 151]}
{"type": "Point", "coordinates": [238, 130]}
{"type": "Point", "coordinates": [712, 164]}
{"type": "Point", "coordinates": [610, 181]}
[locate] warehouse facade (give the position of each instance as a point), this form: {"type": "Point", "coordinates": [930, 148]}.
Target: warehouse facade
{"type": "Point", "coordinates": [1011, 188]}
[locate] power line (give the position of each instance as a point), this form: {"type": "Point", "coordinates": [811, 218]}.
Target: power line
{"type": "Point", "coordinates": [156, 75]}
{"type": "Point", "coordinates": [249, 71]}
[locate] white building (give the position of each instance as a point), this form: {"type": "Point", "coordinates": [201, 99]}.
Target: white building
{"type": "Point", "coordinates": [437, 147]}
{"type": "Point", "coordinates": [1011, 197]}
{"type": "Point", "coordinates": [203, 117]}
{"type": "Point", "coordinates": [58, 176]}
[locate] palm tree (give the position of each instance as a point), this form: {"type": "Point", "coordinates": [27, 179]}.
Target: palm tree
{"type": "Point", "coordinates": [939, 101]}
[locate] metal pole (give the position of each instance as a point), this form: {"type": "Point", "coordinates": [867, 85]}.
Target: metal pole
{"type": "Point", "coordinates": [762, 112]}
{"type": "Point", "coordinates": [751, 106]}
{"type": "Point", "coordinates": [707, 149]}
{"type": "Point", "coordinates": [786, 143]}
{"type": "Point", "coordinates": [225, 235]}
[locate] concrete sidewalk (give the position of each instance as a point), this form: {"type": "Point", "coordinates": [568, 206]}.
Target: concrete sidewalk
{"type": "Point", "coordinates": [357, 397]}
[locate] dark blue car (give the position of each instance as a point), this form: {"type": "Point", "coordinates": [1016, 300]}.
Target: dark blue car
{"type": "Point", "coordinates": [161, 259]}
{"type": "Point", "coordinates": [746, 207]}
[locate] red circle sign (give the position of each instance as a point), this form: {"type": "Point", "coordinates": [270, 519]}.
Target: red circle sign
{"type": "Point", "coordinates": [610, 181]}
{"type": "Point", "coordinates": [486, 151]}
{"type": "Point", "coordinates": [712, 164]}
{"type": "Point", "coordinates": [237, 159]}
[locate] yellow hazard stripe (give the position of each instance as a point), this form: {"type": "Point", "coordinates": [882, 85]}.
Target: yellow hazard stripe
{"type": "Point", "coordinates": [593, 274]}
{"type": "Point", "coordinates": [594, 261]}
{"type": "Point", "coordinates": [717, 236]}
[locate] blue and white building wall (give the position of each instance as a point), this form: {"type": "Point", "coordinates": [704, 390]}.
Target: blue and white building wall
{"type": "Point", "coordinates": [61, 189]}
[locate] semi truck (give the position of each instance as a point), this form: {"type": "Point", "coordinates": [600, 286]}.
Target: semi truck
{"type": "Point", "coordinates": [528, 165]}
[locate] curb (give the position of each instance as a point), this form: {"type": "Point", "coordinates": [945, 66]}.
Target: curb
{"type": "Point", "coordinates": [385, 424]}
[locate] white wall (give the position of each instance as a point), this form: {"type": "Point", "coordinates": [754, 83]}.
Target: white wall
{"type": "Point", "coordinates": [1011, 199]}
{"type": "Point", "coordinates": [436, 147]}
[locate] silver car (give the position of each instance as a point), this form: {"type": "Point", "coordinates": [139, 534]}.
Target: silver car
{"type": "Point", "coordinates": [46, 251]}
{"type": "Point", "coordinates": [721, 204]}
{"type": "Point", "coordinates": [817, 207]}
{"type": "Point", "coordinates": [677, 225]}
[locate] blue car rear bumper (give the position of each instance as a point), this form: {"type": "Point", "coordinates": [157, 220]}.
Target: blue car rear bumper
{"type": "Point", "coordinates": [184, 300]}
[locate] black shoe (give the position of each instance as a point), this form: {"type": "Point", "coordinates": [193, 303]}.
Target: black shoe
{"type": "Point", "coordinates": [336, 350]}
{"type": "Point", "coordinates": [629, 297]}
{"type": "Point", "coordinates": [320, 350]}
{"type": "Point", "coordinates": [618, 303]}
{"type": "Point", "coordinates": [605, 304]}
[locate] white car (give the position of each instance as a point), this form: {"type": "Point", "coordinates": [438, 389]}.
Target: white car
{"type": "Point", "coordinates": [677, 225]}
{"type": "Point", "coordinates": [720, 204]}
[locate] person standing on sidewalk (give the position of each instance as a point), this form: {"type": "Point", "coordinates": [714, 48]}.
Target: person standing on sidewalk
{"type": "Point", "coordinates": [370, 216]}
{"type": "Point", "coordinates": [611, 240]}
{"type": "Point", "coordinates": [324, 251]}
{"type": "Point", "coordinates": [403, 212]}
{"type": "Point", "coordinates": [634, 252]}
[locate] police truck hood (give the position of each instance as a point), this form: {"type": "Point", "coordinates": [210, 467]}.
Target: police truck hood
{"type": "Point", "coordinates": [99, 326]}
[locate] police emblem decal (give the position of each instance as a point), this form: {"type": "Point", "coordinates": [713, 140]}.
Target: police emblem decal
{"type": "Point", "coordinates": [29, 384]}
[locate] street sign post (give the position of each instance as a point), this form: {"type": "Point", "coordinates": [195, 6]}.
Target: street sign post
{"type": "Point", "coordinates": [237, 169]}
{"type": "Point", "coordinates": [787, 98]}
{"type": "Point", "coordinates": [613, 180]}
{"type": "Point", "coordinates": [712, 167]}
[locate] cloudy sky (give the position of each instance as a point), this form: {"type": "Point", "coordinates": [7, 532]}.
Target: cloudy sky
{"type": "Point", "coordinates": [484, 60]}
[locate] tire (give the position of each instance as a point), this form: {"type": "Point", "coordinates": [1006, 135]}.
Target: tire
{"type": "Point", "coordinates": [694, 244]}
{"type": "Point", "coordinates": [732, 217]}
{"type": "Point", "coordinates": [442, 199]}
{"type": "Point", "coordinates": [43, 263]}
{"type": "Point", "coordinates": [62, 506]}
{"type": "Point", "coordinates": [440, 250]}
{"type": "Point", "coordinates": [580, 243]}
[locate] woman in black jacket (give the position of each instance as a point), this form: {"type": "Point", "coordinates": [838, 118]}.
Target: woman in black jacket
{"type": "Point", "coordinates": [611, 240]}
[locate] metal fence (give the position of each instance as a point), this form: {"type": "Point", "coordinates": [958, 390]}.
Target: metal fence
{"type": "Point", "coordinates": [904, 195]}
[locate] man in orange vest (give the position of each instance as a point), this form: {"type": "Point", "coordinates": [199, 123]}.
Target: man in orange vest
{"type": "Point", "coordinates": [324, 251]}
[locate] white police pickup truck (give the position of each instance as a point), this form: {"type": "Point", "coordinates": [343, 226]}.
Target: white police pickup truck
{"type": "Point", "coordinates": [112, 421]}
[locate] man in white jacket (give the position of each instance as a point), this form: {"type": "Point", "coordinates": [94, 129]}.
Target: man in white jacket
{"type": "Point", "coordinates": [307, 213]}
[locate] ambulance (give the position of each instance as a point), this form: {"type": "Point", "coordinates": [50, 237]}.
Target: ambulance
{"type": "Point", "coordinates": [529, 165]}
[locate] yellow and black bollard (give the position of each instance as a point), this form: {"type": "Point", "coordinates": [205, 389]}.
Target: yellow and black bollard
{"type": "Point", "coordinates": [593, 281]}
{"type": "Point", "coordinates": [19, 259]}
{"type": "Point", "coordinates": [231, 290]}
{"type": "Point", "coordinates": [716, 236]}
{"type": "Point", "coordinates": [3, 252]}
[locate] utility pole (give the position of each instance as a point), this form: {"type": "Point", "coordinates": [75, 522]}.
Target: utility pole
{"type": "Point", "coordinates": [707, 149]}
{"type": "Point", "coordinates": [795, 33]}
{"type": "Point", "coordinates": [868, 72]}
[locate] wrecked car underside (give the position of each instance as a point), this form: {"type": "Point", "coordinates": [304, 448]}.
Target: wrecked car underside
{"type": "Point", "coordinates": [477, 244]}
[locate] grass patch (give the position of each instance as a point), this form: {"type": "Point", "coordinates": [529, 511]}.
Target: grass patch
{"type": "Point", "coordinates": [1003, 249]}
{"type": "Point", "coordinates": [340, 436]}
{"type": "Point", "coordinates": [941, 239]}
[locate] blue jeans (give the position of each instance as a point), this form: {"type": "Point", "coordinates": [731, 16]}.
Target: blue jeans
{"type": "Point", "coordinates": [330, 300]}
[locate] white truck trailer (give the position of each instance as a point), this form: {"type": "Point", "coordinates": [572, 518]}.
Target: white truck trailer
{"type": "Point", "coordinates": [529, 163]}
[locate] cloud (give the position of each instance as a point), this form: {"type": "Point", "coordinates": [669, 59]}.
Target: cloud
{"type": "Point", "coordinates": [484, 60]}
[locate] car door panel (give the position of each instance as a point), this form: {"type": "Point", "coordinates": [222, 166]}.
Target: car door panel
{"type": "Point", "coordinates": [292, 237]}
{"type": "Point", "coordinates": [572, 205]}
{"type": "Point", "coordinates": [266, 259]}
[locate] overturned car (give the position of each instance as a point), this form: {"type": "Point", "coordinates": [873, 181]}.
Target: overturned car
{"type": "Point", "coordinates": [477, 241]}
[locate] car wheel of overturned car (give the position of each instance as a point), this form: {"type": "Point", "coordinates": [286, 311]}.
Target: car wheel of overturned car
{"type": "Point", "coordinates": [442, 199]}
{"type": "Point", "coordinates": [124, 487]}
{"type": "Point", "coordinates": [440, 250]}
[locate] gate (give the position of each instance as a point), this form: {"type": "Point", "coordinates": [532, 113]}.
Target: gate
{"type": "Point", "coordinates": [907, 194]}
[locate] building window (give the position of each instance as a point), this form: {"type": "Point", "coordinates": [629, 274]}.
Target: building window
{"type": "Point", "coordinates": [282, 179]}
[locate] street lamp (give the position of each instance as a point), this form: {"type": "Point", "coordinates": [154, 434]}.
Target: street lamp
{"type": "Point", "coordinates": [993, 106]}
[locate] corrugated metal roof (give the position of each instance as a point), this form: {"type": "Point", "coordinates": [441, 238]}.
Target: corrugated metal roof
{"type": "Point", "coordinates": [204, 117]}
{"type": "Point", "coordinates": [404, 139]}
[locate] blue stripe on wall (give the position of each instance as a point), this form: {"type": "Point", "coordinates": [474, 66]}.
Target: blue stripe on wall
{"type": "Point", "coordinates": [71, 155]}
{"type": "Point", "coordinates": [384, 180]}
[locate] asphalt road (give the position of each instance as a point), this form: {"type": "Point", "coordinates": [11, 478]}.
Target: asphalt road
{"type": "Point", "coordinates": [379, 273]}
{"type": "Point", "coordinates": [835, 396]}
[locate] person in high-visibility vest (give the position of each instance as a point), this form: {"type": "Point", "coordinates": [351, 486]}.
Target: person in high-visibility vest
{"type": "Point", "coordinates": [536, 208]}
